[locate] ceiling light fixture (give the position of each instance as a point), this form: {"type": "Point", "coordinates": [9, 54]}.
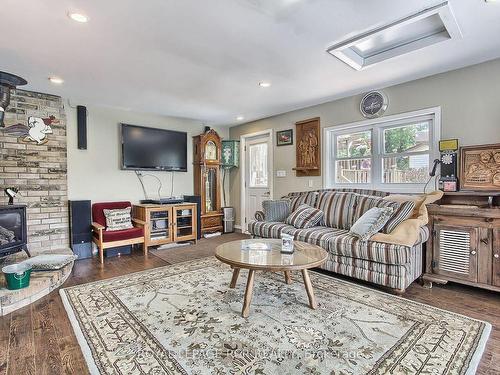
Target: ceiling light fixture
{"type": "Point", "coordinates": [417, 31]}
{"type": "Point", "coordinates": [56, 80]}
{"type": "Point", "coordinates": [240, 118]}
{"type": "Point", "coordinates": [78, 17]}
{"type": "Point", "coordinates": [265, 84]}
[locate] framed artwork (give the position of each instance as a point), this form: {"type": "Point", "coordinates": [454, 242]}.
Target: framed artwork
{"type": "Point", "coordinates": [308, 148]}
{"type": "Point", "coordinates": [480, 167]}
{"type": "Point", "coordinates": [284, 137]}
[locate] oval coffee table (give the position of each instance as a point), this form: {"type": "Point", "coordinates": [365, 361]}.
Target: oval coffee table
{"type": "Point", "coordinates": [304, 257]}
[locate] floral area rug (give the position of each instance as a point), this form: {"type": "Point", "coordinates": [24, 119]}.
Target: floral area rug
{"type": "Point", "coordinates": [184, 319]}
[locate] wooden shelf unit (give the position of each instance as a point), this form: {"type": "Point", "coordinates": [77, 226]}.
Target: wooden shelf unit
{"type": "Point", "coordinates": [167, 223]}
{"type": "Point", "coordinates": [464, 246]}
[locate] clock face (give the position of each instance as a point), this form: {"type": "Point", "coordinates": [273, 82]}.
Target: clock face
{"type": "Point", "coordinates": [373, 104]}
{"type": "Point", "coordinates": [210, 151]}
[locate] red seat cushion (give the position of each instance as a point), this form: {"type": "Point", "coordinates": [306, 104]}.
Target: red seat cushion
{"type": "Point", "coordinates": [98, 213]}
{"type": "Point", "coordinates": [120, 235]}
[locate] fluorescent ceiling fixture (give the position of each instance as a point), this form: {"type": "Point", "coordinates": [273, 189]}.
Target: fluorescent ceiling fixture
{"type": "Point", "coordinates": [420, 30]}
{"type": "Point", "coordinates": [56, 80]}
{"type": "Point", "coordinates": [265, 84]}
{"type": "Point", "coordinates": [78, 17]}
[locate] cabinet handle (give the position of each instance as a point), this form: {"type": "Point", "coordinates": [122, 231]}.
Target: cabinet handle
{"type": "Point", "coordinates": [496, 256]}
{"type": "Point", "coordinates": [473, 252]}
{"type": "Point", "coordinates": [484, 240]}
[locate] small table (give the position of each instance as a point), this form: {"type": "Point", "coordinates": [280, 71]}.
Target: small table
{"type": "Point", "coordinates": [304, 257]}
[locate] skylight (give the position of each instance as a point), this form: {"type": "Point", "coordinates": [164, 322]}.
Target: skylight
{"type": "Point", "coordinates": [420, 30]}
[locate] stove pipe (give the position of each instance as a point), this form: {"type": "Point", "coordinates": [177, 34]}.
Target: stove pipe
{"type": "Point", "coordinates": [7, 82]}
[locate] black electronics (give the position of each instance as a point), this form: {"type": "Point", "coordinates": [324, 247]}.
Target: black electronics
{"type": "Point", "coordinates": [448, 179]}
{"type": "Point", "coordinates": [81, 125]}
{"type": "Point", "coordinates": [117, 251]}
{"type": "Point", "coordinates": [153, 149]}
{"type": "Point", "coordinates": [195, 199]}
{"type": "Point", "coordinates": [170, 200]}
{"type": "Point", "coordinates": [80, 221]}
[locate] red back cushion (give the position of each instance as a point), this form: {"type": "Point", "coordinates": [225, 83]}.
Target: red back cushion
{"type": "Point", "coordinates": [98, 213]}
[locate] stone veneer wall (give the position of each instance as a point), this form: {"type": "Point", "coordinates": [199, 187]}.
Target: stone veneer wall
{"type": "Point", "coordinates": [39, 171]}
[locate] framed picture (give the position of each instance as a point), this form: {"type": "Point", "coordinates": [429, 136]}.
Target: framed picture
{"type": "Point", "coordinates": [480, 167]}
{"type": "Point", "coordinates": [284, 137]}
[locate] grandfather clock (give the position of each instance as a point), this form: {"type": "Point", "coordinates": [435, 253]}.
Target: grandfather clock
{"type": "Point", "coordinates": [207, 158]}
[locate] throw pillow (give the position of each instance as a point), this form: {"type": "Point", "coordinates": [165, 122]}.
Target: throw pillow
{"type": "Point", "coordinates": [118, 219]}
{"type": "Point", "coordinates": [46, 262]}
{"type": "Point", "coordinates": [304, 217]}
{"type": "Point", "coordinates": [296, 199]}
{"type": "Point", "coordinates": [371, 222]}
{"type": "Point", "coordinates": [338, 209]}
{"type": "Point", "coordinates": [276, 210]}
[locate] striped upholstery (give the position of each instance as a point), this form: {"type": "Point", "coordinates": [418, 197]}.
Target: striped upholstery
{"type": "Point", "coordinates": [269, 229]}
{"type": "Point", "coordinates": [304, 217]}
{"type": "Point", "coordinates": [338, 209]}
{"type": "Point", "coordinates": [374, 193]}
{"type": "Point", "coordinates": [276, 210]}
{"type": "Point", "coordinates": [402, 211]}
{"type": "Point", "coordinates": [308, 198]}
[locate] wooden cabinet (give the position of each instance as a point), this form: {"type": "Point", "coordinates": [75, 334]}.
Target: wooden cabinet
{"type": "Point", "coordinates": [207, 179]}
{"type": "Point", "coordinates": [465, 241]}
{"type": "Point", "coordinates": [167, 223]}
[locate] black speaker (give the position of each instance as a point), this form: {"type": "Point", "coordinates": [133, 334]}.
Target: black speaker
{"type": "Point", "coordinates": [81, 123]}
{"type": "Point", "coordinates": [195, 199]}
{"type": "Point", "coordinates": [80, 232]}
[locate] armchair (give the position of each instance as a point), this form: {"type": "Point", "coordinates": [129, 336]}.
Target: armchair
{"type": "Point", "coordinates": [108, 239]}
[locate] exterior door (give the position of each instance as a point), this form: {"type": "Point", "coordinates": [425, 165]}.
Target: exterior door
{"type": "Point", "coordinates": [455, 252]}
{"type": "Point", "coordinates": [258, 175]}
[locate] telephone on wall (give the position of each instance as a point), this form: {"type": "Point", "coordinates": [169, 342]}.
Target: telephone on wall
{"type": "Point", "coordinates": [448, 180]}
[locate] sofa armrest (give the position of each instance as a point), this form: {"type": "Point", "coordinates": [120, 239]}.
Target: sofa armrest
{"type": "Point", "coordinates": [96, 227]}
{"type": "Point", "coordinates": [139, 223]}
{"type": "Point", "coordinates": [259, 216]}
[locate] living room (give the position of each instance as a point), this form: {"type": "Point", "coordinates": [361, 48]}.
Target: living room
{"type": "Point", "coordinates": [291, 186]}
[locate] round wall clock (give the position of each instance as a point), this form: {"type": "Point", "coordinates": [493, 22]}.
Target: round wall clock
{"type": "Point", "coordinates": [373, 104]}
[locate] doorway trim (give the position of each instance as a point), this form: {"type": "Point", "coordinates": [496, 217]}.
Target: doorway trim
{"type": "Point", "coordinates": [243, 143]}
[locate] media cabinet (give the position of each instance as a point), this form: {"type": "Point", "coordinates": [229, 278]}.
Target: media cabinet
{"type": "Point", "coordinates": [167, 223]}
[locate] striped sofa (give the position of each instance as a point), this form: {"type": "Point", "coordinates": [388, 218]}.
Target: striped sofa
{"type": "Point", "coordinates": [389, 265]}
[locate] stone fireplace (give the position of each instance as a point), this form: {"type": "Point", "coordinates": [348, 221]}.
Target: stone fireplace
{"type": "Point", "coordinates": [37, 167]}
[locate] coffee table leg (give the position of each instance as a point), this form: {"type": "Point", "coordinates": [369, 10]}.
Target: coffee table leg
{"type": "Point", "coordinates": [309, 289]}
{"type": "Point", "coordinates": [288, 277]}
{"type": "Point", "coordinates": [234, 279]}
{"type": "Point", "coordinates": [248, 294]}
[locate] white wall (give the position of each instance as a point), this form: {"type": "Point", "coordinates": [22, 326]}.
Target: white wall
{"type": "Point", "coordinates": [95, 173]}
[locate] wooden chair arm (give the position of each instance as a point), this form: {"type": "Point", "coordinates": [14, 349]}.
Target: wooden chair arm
{"type": "Point", "coordinates": [97, 227]}
{"type": "Point", "coordinates": [138, 222]}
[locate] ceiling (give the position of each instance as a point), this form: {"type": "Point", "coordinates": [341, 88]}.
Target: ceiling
{"type": "Point", "coordinates": [204, 59]}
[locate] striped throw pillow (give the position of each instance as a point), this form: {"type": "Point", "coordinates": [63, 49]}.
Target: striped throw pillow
{"type": "Point", "coordinates": [118, 219]}
{"type": "Point", "coordinates": [338, 209]}
{"type": "Point", "coordinates": [304, 217]}
{"type": "Point", "coordinates": [276, 210]}
{"type": "Point", "coordinates": [308, 198]}
{"type": "Point", "coordinates": [401, 211]}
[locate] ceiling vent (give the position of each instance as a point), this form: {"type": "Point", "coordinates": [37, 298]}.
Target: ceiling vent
{"type": "Point", "coordinates": [425, 28]}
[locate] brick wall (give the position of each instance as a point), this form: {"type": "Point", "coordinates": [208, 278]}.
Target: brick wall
{"type": "Point", "coordinates": [39, 171]}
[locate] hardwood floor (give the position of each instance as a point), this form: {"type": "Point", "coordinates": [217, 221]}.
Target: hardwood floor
{"type": "Point", "coordinates": [39, 339]}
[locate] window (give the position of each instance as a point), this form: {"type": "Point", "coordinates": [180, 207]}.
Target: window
{"type": "Point", "coordinates": [392, 153]}
{"type": "Point", "coordinates": [258, 165]}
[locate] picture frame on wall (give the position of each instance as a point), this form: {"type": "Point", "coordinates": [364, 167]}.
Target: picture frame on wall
{"type": "Point", "coordinates": [284, 137]}
{"type": "Point", "coordinates": [480, 167]}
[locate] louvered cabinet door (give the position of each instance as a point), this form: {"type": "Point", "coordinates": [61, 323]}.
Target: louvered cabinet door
{"type": "Point", "coordinates": [496, 257]}
{"type": "Point", "coordinates": [455, 252]}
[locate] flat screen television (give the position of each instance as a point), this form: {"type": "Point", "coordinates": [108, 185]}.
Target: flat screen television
{"type": "Point", "coordinates": [153, 149]}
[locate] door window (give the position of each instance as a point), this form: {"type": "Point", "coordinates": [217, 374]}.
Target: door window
{"type": "Point", "coordinates": [258, 165]}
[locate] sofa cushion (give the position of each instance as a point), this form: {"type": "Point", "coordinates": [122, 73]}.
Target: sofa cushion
{"type": "Point", "coordinates": [304, 216]}
{"type": "Point", "coordinates": [98, 213]}
{"type": "Point", "coordinates": [338, 209]}
{"type": "Point", "coordinates": [308, 197]}
{"type": "Point", "coordinates": [119, 235]}
{"type": "Point", "coordinates": [276, 210]}
{"type": "Point", "coordinates": [371, 222]}
{"type": "Point", "coordinates": [402, 210]}
{"type": "Point", "coordinates": [118, 219]}
{"type": "Point", "coordinates": [269, 229]}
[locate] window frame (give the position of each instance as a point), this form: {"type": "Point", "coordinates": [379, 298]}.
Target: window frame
{"type": "Point", "coordinates": [377, 127]}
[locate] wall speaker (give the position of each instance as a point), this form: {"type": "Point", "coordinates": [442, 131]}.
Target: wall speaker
{"type": "Point", "coordinates": [195, 199]}
{"type": "Point", "coordinates": [81, 123]}
{"type": "Point", "coordinates": [80, 232]}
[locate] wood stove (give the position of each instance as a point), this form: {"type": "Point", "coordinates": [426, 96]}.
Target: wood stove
{"type": "Point", "coordinates": [13, 231]}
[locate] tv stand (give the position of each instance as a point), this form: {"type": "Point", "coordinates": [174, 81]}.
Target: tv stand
{"type": "Point", "coordinates": [166, 223]}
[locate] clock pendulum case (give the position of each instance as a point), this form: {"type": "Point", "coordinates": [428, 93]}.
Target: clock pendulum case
{"type": "Point", "coordinates": [207, 161]}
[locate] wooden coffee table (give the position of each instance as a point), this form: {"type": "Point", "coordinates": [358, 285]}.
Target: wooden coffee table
{"type": "Point", "coordinates": [304, 257]}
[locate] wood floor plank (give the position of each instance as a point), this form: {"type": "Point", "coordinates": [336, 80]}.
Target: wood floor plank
{"type": "Point", "coordinates": [21, 343]}
{"type": "Point", "coordinates": [4, 343]}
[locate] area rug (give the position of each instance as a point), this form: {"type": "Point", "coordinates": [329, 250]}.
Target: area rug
{"type": "Point", "coordinates": [184, 319]}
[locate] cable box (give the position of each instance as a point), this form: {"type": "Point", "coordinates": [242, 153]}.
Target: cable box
{"type": "Point", "coordinates": [169, 200]}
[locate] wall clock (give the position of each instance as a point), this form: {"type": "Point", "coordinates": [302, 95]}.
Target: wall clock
{"type": "Point", "coordinates": [373, 104]}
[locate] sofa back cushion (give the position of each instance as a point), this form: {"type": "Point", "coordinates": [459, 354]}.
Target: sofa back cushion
{"type": "Point", "coordinates": [309, 198]}
{"type": "Point", "coordinates": [276, 210]}
{"type": "Point", "coordinates": [401, 210]}
{"type": "Point", "coordinates": [338, 209]}
{"type": "Point", "coordinates": [98, 210]}
{"type": "Point", "coordinates": [305, 216]}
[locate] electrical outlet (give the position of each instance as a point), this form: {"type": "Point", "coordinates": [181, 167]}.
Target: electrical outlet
{"type": "Point", "coordinates": [311, 183]}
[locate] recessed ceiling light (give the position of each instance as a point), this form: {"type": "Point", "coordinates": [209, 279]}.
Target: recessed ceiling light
{"type": "Point", "coordinates": [56, 80]}
{"type": "Point", "coordinates": [78, 17]}
{"type": "Point", "coordinates": [240, 118]}
{"type": "Point", "coordinates": [265, 84]}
